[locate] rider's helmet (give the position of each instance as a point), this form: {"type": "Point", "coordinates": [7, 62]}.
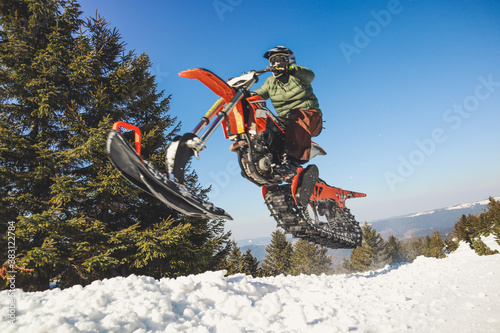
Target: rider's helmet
{"type": "Point", "coordinates": [280, 53]}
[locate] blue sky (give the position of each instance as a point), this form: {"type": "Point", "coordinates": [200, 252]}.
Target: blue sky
{"type": "Point", "coordinates": [410, 92]}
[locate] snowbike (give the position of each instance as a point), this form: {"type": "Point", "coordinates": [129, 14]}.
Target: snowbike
{"type": "Point", "coordinates": [312, 211]}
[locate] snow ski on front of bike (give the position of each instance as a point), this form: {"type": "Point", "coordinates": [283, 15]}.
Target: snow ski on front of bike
{"type": "Point", "coordinates": [142, 174]}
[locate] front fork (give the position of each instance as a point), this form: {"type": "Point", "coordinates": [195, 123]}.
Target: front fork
{"type": "Point", "coordinates": [182, 148]}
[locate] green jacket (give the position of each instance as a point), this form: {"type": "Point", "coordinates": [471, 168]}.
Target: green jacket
{"type": "Point", "coordinates": [288, 92]}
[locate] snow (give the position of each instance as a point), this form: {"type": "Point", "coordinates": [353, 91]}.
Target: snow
{"type": "Point", "coordinates": [422, 213]}
{"type": "Point", "coordinates": [460, 293]}
{"type": "Point", "coordinates": [472, 204]}
{"type": "Point", "coordinates": [490, 241]}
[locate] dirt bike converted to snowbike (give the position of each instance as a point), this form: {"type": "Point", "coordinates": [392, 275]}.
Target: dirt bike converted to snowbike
{"type": "Point", "coordinates": [258, 135]}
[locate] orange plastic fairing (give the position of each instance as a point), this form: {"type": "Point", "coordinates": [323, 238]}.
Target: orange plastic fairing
{"type": "Point", "coordinates": [212, 81]}
{"type": "Point", "coordinates": [295, 182]}
{"type": "Point", "coordinates": [235, 121]}
{"type": "Point", "coordinates": [324, 191]}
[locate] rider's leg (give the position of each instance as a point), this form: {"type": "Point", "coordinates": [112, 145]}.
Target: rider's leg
{"type": "Point", "coordinates": [302, 125]}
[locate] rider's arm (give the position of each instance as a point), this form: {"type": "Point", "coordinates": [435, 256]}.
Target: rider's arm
{"type": "Point", "coordinates": [302, 73]}
{"type": "Point", "coordinates": [262, 91]}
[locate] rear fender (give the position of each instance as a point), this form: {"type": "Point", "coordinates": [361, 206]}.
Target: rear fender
{"type": "Point", "coordinates": [325, 191]}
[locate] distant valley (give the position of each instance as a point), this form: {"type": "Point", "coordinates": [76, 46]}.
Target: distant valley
{"type": "Point", "coordinates": [425, 223]}
{"type": "Point", "coordinates": [403, 227]}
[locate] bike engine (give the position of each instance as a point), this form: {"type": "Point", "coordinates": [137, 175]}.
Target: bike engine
{"type": "Point", "coordinates": [260, 158]}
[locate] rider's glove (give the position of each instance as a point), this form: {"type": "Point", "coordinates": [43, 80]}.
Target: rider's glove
{"type": "Point", "coordinates": [282, 68]}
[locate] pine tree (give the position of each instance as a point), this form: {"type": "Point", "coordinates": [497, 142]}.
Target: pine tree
{"type": "Point", "coordinates": [493, 216]}
{"type": "Point", "coordinates": [64, 81]}
{"type": "Point", "coordinates": [345, 267]}
{"type": "Point", "coordinates": [308, 258]}
{"type": "Point", "coordinates": [481, 248]}
{"type": "Point", "coordinates": [463, 227]}
{"type": "Point", "coordinates": [234, 260]}
{"type": "Point", "coordinates": [250, 264]}
{"type": "Point", "coordinates": [434, 246]}
{"type": "Point", "coordinates": [413, 248]}
{"type": "Point", "coordinates": [278, 255]}
{"type": "Point", "coordinates": [394, 250]}
{"type": "Point", "coordinates": [450, 245]}
{"type": "Point", "coordinates": [372, 254]}
{"type": "Point", "coordinates": [471, 227]}
{"type": "Point", "coordinates": [437, 246]}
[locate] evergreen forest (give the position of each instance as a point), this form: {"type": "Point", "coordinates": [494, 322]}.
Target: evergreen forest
{"type": "Point", "coordinates": [64, 80]}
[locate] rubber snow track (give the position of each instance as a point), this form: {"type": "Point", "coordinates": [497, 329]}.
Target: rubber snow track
{"type": "Point", "coordinates": [341, 232]}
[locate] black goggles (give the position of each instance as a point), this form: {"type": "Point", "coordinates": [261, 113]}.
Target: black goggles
{"type": "Point", "coordinates": [278, 59]}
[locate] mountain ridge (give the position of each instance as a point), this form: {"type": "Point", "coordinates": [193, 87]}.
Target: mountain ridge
{"type": "Point", "coordinates": [426, 222]}
{"type": "Point", "coordinates": [418, 224]}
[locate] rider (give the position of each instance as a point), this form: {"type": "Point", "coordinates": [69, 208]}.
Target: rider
{"type": "Point", "coordinates": [293, 99]}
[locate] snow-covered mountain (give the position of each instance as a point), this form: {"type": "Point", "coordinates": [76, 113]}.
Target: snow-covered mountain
{"type": "Point", "coordinates": [459, 293]}
{"type": "Point", "coordinates": [407, 226]}
{"type": "Point", "coordinates": [425, 223]}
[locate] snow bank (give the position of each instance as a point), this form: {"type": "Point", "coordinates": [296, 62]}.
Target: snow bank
{"type": "Point", "coordinates": [460, 293]}
{"type": "Point", "coordinates": [490, 241]}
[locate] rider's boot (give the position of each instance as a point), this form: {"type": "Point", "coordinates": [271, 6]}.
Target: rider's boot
{"type": "Point", "coordinates": [291, 161]}
{"type": "Point", "coordinates": [305, 185]}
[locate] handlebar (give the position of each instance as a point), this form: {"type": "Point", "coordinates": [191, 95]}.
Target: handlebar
{"type": "Point", "coordinates": [262, 71]}
{"type": "Point", "coordinates": [247, 78]}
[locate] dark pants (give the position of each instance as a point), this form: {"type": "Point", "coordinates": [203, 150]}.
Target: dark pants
{"type": "Point", "coordinates": [301, 126]}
